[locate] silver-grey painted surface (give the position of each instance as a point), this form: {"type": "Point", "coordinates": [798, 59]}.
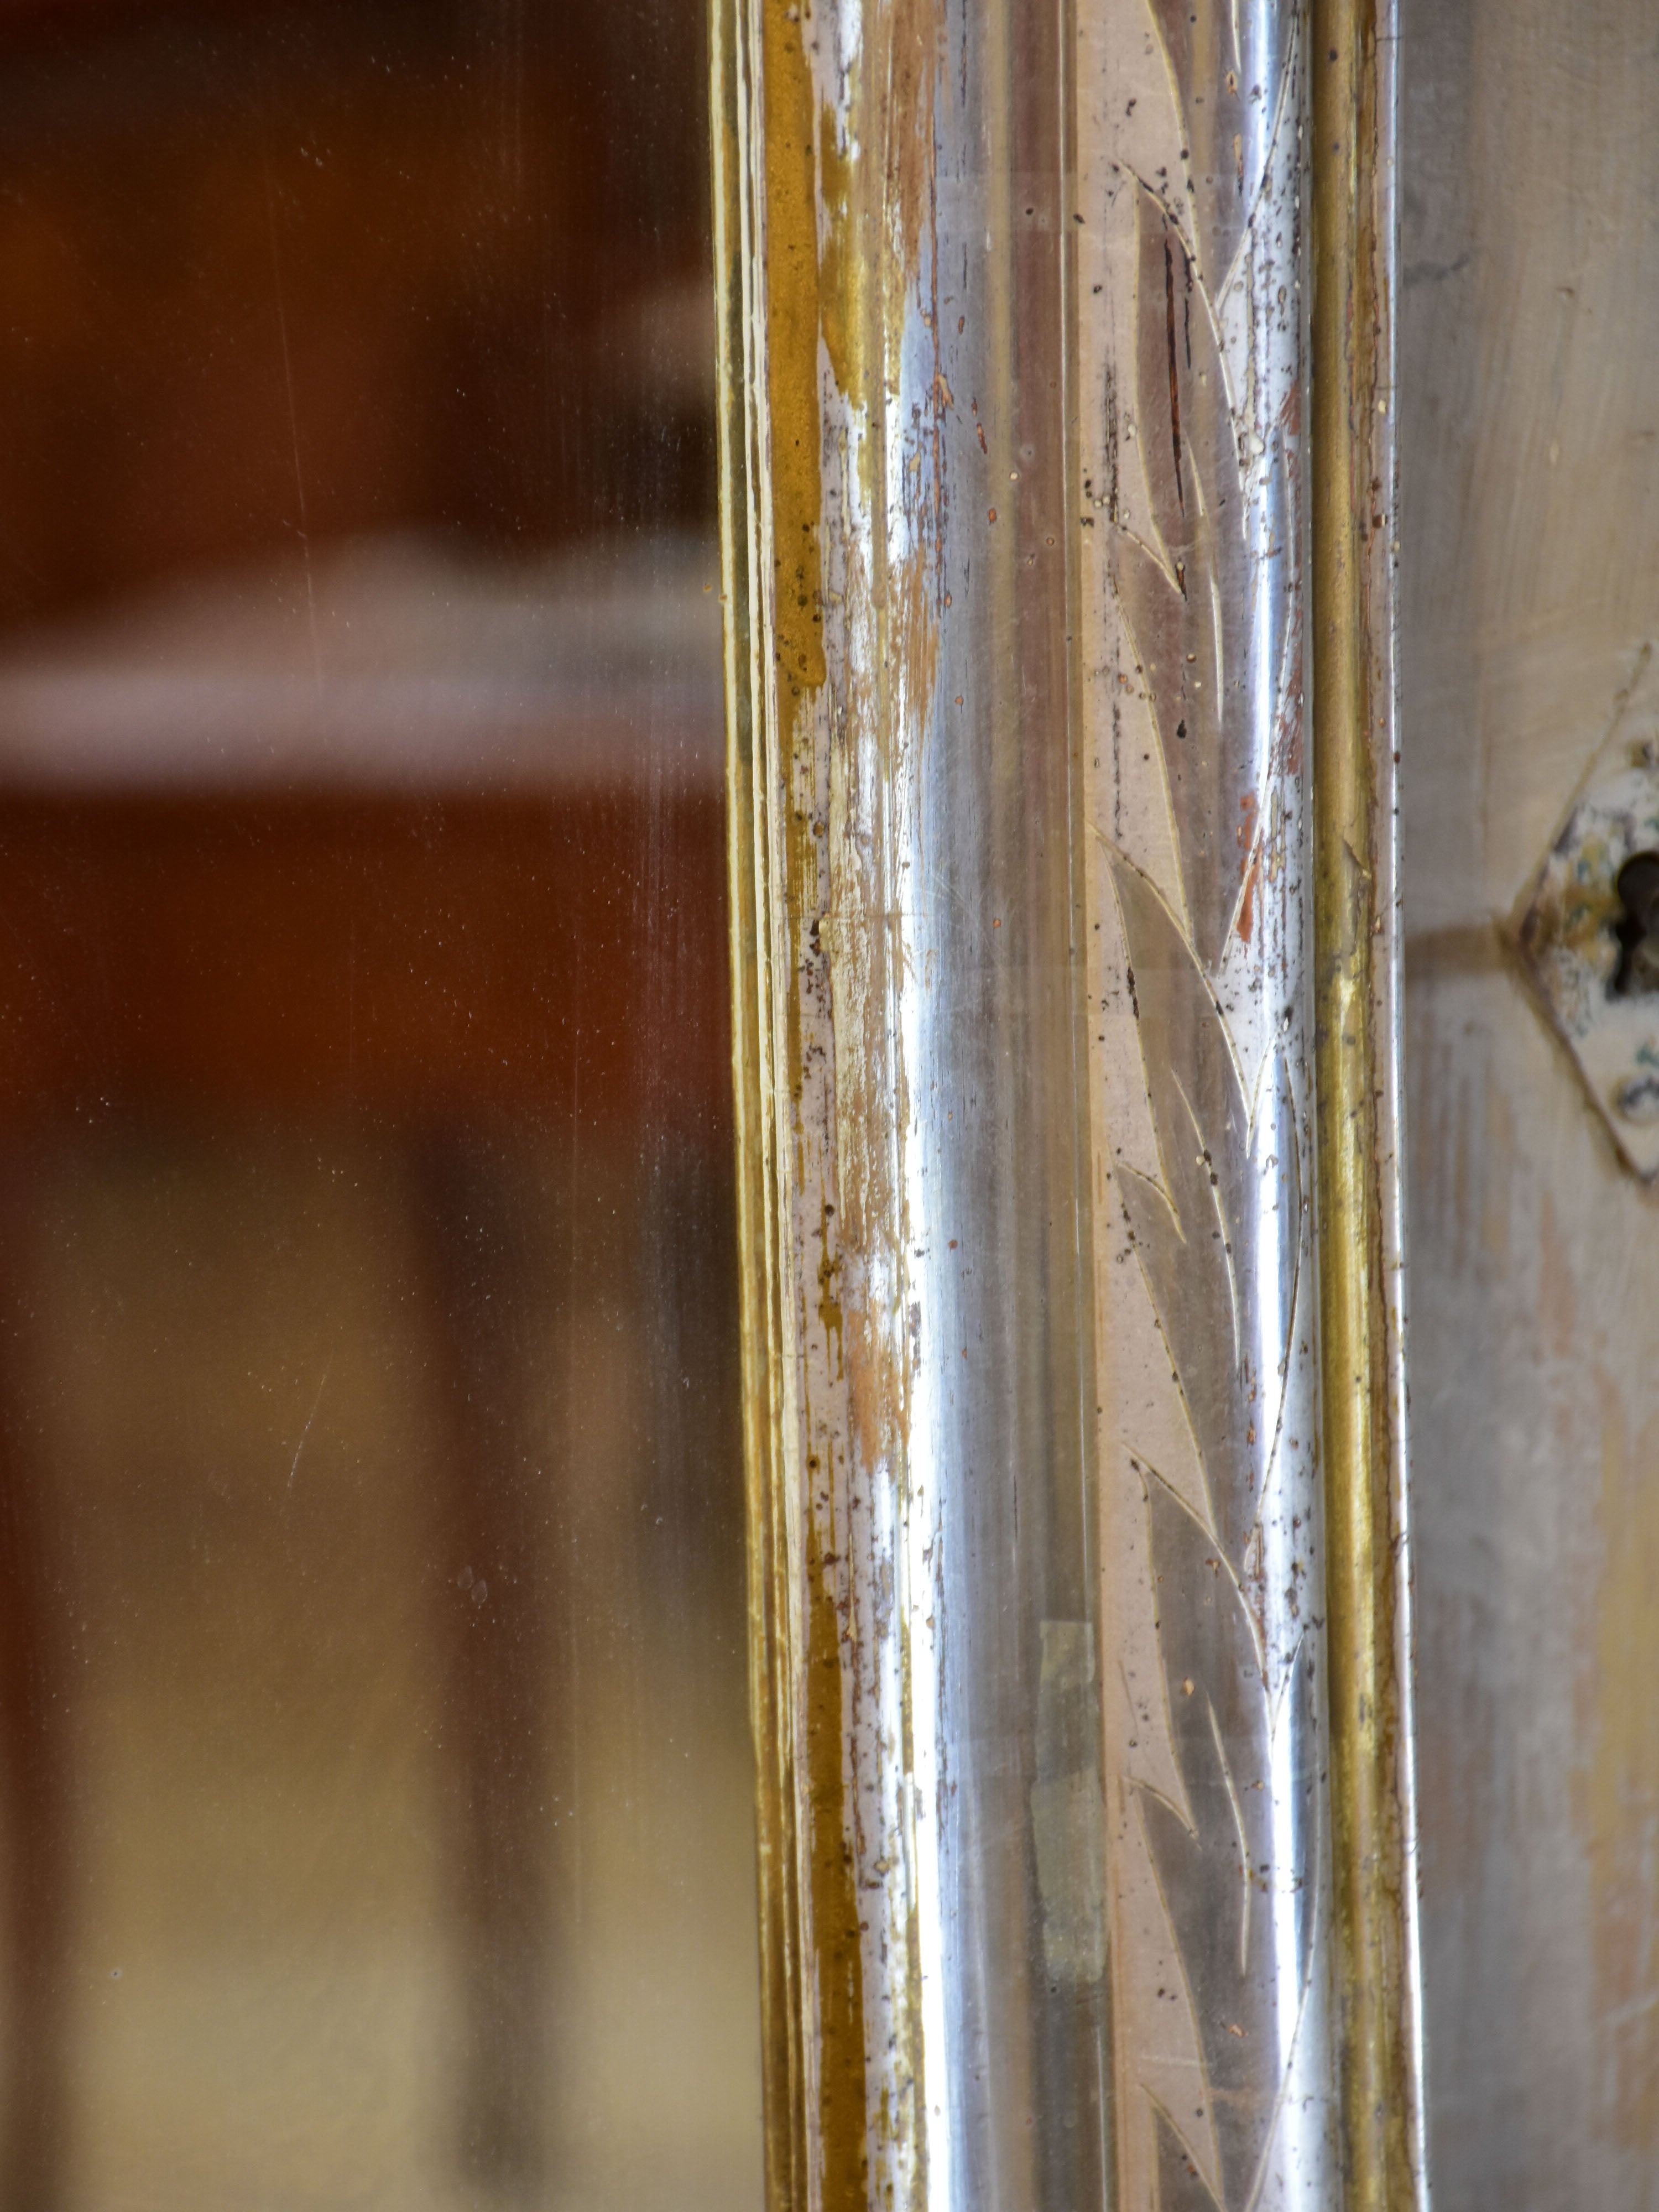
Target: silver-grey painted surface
{"type": "Point", "coordinates": [1530, 435]}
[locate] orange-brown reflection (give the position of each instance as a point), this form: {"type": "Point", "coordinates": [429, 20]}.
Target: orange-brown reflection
{"type": "Point", "coordinates": [279, 272]}
{"type": "Point", "coordinates": [374, 1784]}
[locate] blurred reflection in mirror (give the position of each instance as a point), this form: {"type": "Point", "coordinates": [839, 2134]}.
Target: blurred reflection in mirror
{"type": "Point", "coordinates": [375, 1781]}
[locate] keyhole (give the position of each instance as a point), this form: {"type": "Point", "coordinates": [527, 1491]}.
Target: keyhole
{"type": "Point", "coordinates": [1637, 927]}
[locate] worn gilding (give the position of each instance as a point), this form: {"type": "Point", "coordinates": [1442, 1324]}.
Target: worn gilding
{"type": "Point", "coordinates": [1016, 462]}
{"type": "Point", "coordinates": [1357, 1024]}
{"type": "Point", "coordinates": [770, 1669]}
{"type": "Point", "coordinates": [918, 1242]}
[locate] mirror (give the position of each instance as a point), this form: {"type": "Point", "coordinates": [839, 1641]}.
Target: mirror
{"type": "Point", "coordinates": [375, 1784]}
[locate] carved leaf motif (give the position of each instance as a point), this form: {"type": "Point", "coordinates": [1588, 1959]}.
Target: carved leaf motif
{"type": "Point", "coordinates": [1220, 1240]}
{"type": "Point", "coordinates": [1210, 604]}
{"type": "Point", "coordinates": [1229, 65]}
{"type": "Point", "coordinates": [1190, 620]}
{"type": "Point", "coordinates": [1222, 1869]}
{"type": "Point", "coordinates": [1180, 2186]}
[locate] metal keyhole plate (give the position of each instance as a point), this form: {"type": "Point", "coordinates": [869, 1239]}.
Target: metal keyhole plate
{"type": "Point", "coordinates": [1590, 932]}
{"type": "Point", "coordinates": [1637, 928]}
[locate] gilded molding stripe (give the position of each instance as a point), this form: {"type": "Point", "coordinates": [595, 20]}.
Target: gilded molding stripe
{"type": "Point", "coordinates": [1357, 990]}
{"type": "Point", "coordinates": [770, 1669]}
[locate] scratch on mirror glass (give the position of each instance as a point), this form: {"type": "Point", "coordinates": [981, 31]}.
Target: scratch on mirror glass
{"type": "Point", "coordinates": [310, 1418]}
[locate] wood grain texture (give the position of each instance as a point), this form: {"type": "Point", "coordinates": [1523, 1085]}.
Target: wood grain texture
{"type": "Point", "coordinates": [1530, 459]}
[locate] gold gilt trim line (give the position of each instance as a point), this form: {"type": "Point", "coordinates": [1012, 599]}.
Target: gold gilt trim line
{"type": "Point", "coordinates": [770, 1668]}
{"type": "Point", "coordinates": [1354, 985]}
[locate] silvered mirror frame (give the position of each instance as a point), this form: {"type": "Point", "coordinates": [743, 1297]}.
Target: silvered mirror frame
{"type": "Point", "coordinates": [1058, 513]}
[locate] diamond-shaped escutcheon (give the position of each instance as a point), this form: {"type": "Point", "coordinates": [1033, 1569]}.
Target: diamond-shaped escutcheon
{"type": "Point", "coordinates": [1590, 934]}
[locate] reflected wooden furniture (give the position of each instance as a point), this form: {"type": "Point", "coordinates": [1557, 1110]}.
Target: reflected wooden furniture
{"type": "Point", "coordinates": [444, 964]}
{"type": "Point", "coordinates": [283, 274]}
{"type": "Point", "coordinates": [441, 958]}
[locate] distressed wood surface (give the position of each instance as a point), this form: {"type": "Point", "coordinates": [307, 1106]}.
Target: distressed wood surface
{"type": "Point", "coordinates": [1531, 553]}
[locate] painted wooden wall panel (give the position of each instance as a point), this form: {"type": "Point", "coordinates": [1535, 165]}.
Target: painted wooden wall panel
{"type": "Point", "coordinates": [1529, 330]}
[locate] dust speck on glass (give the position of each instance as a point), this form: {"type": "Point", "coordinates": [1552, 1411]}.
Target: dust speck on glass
{"type": "Point", "coordinates": [375, 1786]}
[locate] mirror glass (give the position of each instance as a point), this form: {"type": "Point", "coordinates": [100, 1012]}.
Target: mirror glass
{"type": "Point", "coordinates": [375, 1786]}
